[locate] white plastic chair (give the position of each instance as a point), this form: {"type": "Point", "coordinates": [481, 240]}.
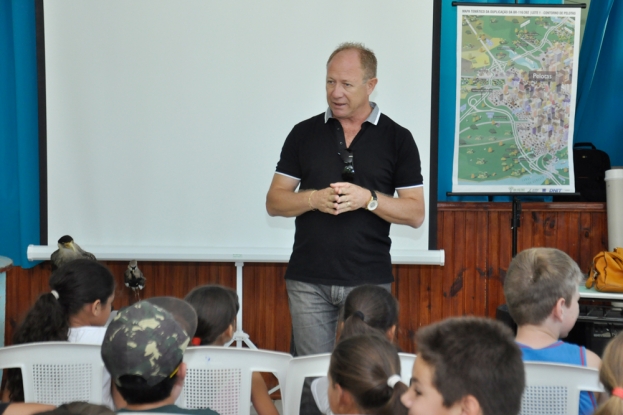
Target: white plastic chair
{"type": "Point", "coordinates": [553, 388]}
{"type": "Point", "coordinates": [300, 368]}
{"type": "Point", "coordinates": [219, 378]}
{"type": "Point", "coordinates": [406, 366]}
{"type": "Point", "coordinates": [57, 372]}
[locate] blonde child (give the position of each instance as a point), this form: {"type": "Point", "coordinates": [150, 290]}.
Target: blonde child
{"type": "Point", "coordinates": [542, 292]}
{"type": "Point", "coordinates": [468, 366]}
{"type": "Point", "coordinates": [216, 308]}
{"type": "Point", "coordinates": [611, 376]}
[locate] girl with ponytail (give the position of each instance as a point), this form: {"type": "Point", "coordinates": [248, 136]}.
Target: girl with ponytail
{"type": "Point", "coordinates": [368, 309]}
{"type": "Point", "coordinates": [364, 377]}
{"type": "Point", "coordinates": [76, 309]}
{"type": "Point", "coordinates": [611, 376]}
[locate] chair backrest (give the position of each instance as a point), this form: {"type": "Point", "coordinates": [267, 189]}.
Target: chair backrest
{"type": "Point", "coordinates": [553, 388]}
{"type": "Point", "coordinates": [219, 378]}
{"type": "Point", "coordinates": [57, 372]}
{"type": "Point", "coordinates": [406, 366]}
{"type": "Point", "coordinates": [300, 368]}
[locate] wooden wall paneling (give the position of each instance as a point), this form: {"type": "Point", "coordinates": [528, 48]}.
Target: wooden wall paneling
{"type": "Point", "coordinates": [454, 286]}
{"type": "Point", "coordinates": [430, 284]}
{"type": "Point", "coordinates": [283, 323]}
{"type": "Point", "coordinates": [476, 299]}
{"type": "Point", "coordinates": [467, 272]}
{"type": "Point", "coordinates": [526, 230]}
{"type": "Point", "coordinates": [598, 237]}
{"type": "Point", "coordinates": [573, 234]}
{"type": "Point", "coordinates": [440, 286]}
{"type": "Point", "coordinates": [585, 241]}
{"type": "Point", "coordinates": [550, 229]}
{"type": "Point", "coordinates": [537, 228]}
{"type": "Point", "coordinates": [506, 255]}
{"type": "Point", "coordinates": [407, 292]}
{"type": "Point", "coordinates": [499, 257]}
{"type": "Point", "coordinates": [266, 316]}
{"type": "Point", "coordinates": [493, 255]}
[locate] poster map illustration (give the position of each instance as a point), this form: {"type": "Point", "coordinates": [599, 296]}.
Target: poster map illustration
{"type": "Point", "coordinates": [516, 92]}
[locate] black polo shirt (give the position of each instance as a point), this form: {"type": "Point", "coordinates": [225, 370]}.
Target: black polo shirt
{"type": "Point", "coordinates": [351, 248]}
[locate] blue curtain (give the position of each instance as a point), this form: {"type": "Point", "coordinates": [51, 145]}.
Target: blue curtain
{"type": "Point", "coordinates": [600, 80]}
{"type": "Point", "coordinates": [19, 149]}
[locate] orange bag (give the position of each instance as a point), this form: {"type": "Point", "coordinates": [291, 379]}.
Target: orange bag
{"type": "Point", "coordinates": [607, 271]}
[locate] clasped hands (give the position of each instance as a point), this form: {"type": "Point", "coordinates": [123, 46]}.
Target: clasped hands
{"type": "Point", "coordinates": [339, 198]}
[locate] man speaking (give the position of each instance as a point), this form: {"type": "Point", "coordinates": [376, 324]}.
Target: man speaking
{"type": "Point", "coordinates": [347, 163]}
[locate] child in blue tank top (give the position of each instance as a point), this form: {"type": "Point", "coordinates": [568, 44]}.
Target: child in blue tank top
{"type": "Point", "coordinates": [541, 289]}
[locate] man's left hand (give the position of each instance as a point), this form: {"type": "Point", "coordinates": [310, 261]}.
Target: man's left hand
{"type": "Point", "coordinates": [350, 196]}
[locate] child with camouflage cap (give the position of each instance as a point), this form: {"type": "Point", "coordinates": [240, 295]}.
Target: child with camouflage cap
{"type": "Point", "coordinates": [143, 350]}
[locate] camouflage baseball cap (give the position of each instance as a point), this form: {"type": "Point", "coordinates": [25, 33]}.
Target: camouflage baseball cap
{"type": "Point", "coordinates": [145, 340]}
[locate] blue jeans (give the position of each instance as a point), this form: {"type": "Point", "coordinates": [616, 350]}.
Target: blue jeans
{"type": "Point", "coordinates": [315, 312]}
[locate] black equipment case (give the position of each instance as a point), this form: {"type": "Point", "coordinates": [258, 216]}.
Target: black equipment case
{"type": "Point", "coordinates": [590, 167]}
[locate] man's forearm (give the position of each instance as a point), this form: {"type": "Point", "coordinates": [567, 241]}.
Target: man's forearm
{"type": "Point", "coordinates": [286, 203]}
{"type": "Point", "coordinates": [404, 211]}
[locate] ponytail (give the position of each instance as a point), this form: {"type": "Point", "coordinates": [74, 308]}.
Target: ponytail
{"type": "Point", "coordinates": [216, 308]}
{"type": "Point", "coordinates": [612, 406]}
{"type": "Point", "coordinates": [366, 366]}
{"type": "Point", "coordinates": [369, 309]}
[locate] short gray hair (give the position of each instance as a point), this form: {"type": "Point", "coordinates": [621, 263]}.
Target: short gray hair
{"type": "Point", "coordinates": [366, 57]}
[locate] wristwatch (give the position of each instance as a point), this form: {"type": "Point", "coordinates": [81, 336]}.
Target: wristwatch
{"type": "Point", "coordinates": [373, 203]}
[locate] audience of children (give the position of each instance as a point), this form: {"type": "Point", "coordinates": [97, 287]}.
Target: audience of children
{"type": "Point", "coordinates": [541, 289]}
{"type": "Point", "coordinates": [143, 350]}
{"type": "Point", "coordinates": [611, 376]}
{"type": "Point", "coordinates": [368, 309]}
{"type": "Point", "coordinates": [364, 377]}
{"type": "Point", "coordinates": [216, 308]}
{"type": "Point", "coordinates": [466, 365]}
{"type": "Point", "coordinates": [469, 365]}
{"type": "Point", "coordinates": [76, 309]}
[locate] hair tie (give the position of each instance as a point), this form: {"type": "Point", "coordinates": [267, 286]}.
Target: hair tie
{"type": "Point", "coordinates": [196, 341]}
{"type": "Point", "coordinates": [55, 294]}
{"type": "Point", "coordinates": [618, 392]}
{"type": "Point", "coordinates": [360, 315]}
{"type": "Point", "coordinates": [393, 379]}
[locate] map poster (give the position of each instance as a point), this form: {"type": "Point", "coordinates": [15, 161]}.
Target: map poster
{"type": "Point", "coordinates": [516, 93]}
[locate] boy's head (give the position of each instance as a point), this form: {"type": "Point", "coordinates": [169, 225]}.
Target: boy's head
{"type": "Point", "coordinates": [467, 363]}
{"type": "Point", "coordinates": [144, 346]}
{"type": "Point", "coordinates": [536, 280]}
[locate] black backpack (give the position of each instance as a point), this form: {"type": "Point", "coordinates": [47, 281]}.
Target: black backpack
{"type": "Point", "coordinates": [590, 167]}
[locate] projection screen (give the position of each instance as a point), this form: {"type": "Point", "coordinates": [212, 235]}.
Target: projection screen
{"type": "Point", "coordinates": [164, 119]}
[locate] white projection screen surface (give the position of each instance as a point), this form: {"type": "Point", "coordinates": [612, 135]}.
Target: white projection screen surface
{"type": "Point", "coordinates": [165, 118]}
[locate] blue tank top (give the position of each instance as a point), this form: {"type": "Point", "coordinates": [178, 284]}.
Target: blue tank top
{"type": "Point", "coordinates": [567, 353]}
